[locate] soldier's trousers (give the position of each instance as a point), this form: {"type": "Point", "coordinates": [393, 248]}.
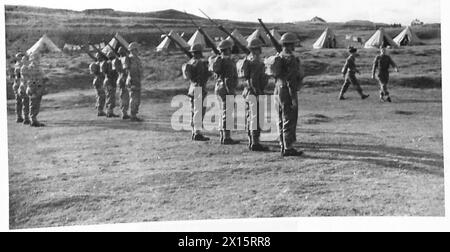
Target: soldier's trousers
{"type": "Point", "coordinates": [252, 114]}
{"type": "Point", "coordinates": [223, 127]}
{"type": "Point", "coordinates": [110, 98]}
{"type": "Point", "coordinates": [350, 78]}
{"type": "Point", "coordinates": [22, 104]}
{"type": "Point", "coordinates": [198, 110]}
{"type": "Point", "coordinates": [35, 106]}
{"type": "Point", "coordinates": [383, 80]}
{"type": "Point", "coordinates": [135, 101]}
{"type": "Point", "coordinates": [124, 96]}
{"type": "Point", "coordinates": [100, 94]}
{"type": "Point", "coordinates": [287, 116]}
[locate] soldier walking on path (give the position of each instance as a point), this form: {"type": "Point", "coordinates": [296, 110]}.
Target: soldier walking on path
{"type": "Point", "coordinates": [196, 71]}
{"type": "Point", "coordinates": [94, 68]}
{"type": "Point", "coordinates": [133, 67]}
{"type": "Point", "coordinates": [121, 82]}
{"type": "Point", "coordinates": [109, 84]}
{"type": "Point", "coordinates": [226, 81]}
{"type": "Point", "coordinates": [256, 80]}
{"type": "Point", "coordinates": [349, 71]}
{"type": "Point", "coordinates": [288, 76]}
{"type": "Point", "coordinates": [382, 63]}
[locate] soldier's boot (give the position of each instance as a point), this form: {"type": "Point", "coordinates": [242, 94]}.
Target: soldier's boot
{"type": "Point", "coordinates": [292, 153]}
{"type": "Point", "coordinates": [382, 98]}
{"type": "Point", "coordinates": [101, 113]}
{"type": "Point", "coordinates": [256, 145]}
{"type": "Point", "coordinates": [19, 120]}
{"type": "Point", "coordinates": [26, 121]}
{"type": "Point", "coordinates": [227, 139]}
{"type": "Point", "coordinates": [125, 117]}
{"type": "Point", "coordinates": [110, 114]}
{"type": "Point", "coordinates": [36, 123]}
{"type": "Point", "coordinates": [389, 99]}
{"type": "Point", "coordinates": [200, 138]}
{"type": "Point", "coordinates": [341, 96]}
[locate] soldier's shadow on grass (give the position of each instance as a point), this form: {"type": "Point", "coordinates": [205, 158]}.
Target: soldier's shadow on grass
{"type": "Point", "coordinates": [380, 155]}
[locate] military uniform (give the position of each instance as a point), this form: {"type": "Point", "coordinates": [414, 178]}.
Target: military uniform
{"type": "Point", "coordinates": [349, 71]}
{"type": "Point", "coordinates": [121, 84]}
{"type": "Point", "coordinates": [382, 63]}
{"type": "Point", "coordinates": [109, 84]}
{"type": "Point", "coordinates": [34, 90]}
{"type": "Point", "coordinates": [256, 81]}
{"type": "Point", "coordinates": [98, 85]}
{"type": "Point", "coordinates": [21, 112]}
{"type": "Point", "coordinates": [198, 74]}
{"type": "Point", "coordinates": [288, 82]}
{"type": "Point", "coordinates": [133, 66]}
{"type": "Point", "coordinates": [226, 82]}
{"type": "Point", "coordinates": [21, 91]}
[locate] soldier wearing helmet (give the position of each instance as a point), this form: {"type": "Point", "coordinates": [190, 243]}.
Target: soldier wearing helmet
{"type": "Point", "coordinates": [133, 68]}
{"type": "Point", "coordinates": [382, 63]}
{"type": "Point", "coordinates": [196, 71]}
{"type": "Point", "coordinates": [226, 81]}
{"type": "Point", "coordinates": [24, 77]}
{"type": "Point", "coordinates": [94, 69]}
{"type": "Point", "coordinates": [109, 84]}
{"type": "Point", "coordinates": [16, 77]}
{"type": "Point", "coordinates": [121, 79]}
{"type": "Point", "coordinates": [255, 82]}
{"type": "Point", "coordinates": [349, 71]}
{"type": "Point", "coordinates": [288, 82]}
{"type": "Point", "coordinates": [35, 88]}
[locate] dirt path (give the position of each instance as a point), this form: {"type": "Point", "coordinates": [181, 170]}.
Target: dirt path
{"type": "Point", "coordinates": [362, 158]}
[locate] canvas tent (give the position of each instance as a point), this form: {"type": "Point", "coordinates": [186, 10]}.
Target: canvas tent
{"type": "Point", "coordinates": [114, 43]}
{"type": "Point", "coordinates": [380, 39]}
{"type": "Point", "coordinates": [407, 38]}
{"type": "Point", "coordinates": [260, 35]}
{"type": "Point", "coordinates": [240, 38]}
{"type": "Point", "coordinates": [44, 45]}
{"type": "Point", "coordinates": [326, 40]}
{"type": "Point", "coordinates": [198, 38]}
{"type": "Point", "coordinates": [317, 20]}
{"type": "Point", "coordinates": [168, 45]}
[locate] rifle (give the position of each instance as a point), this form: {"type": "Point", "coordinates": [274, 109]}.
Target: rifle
{"type": "Point", "coordinates": [120, 43]}
{"type": "Point", "coordinates": [208, 42]}
{"type": "Point", "coordinates": [274, 41]}
{"type": "Point", "coordinates": [86, 50]}
{"type": "Point", "coordinates": [235, 40]}
{"type": "Point", "coordinates": [185, 51]}
{"type": "Point", "coordinates": [115, 53]}
{"type": "Point", "coordinates": [100, 52]}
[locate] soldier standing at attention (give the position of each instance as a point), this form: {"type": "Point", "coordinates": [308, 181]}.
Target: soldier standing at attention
{"type": "Point", "coordinates": [133, 67]}
{"type": "Point", "coordinates": [196, 71]}
{"type": "Point", "coordinates": [124, 95]}
{"type": "Point", "coordinates": [109, 84]}
{"type": "Point", "coordinates": [94, 68]}
{"type": "Point", "coordinates": [35, 89]}
{"type": "Point", "coordinates": [23, 88]}
{"type": "Point", "coordinates": [382, 63]}
{"type": "Point", "coordinates": [288, 81]}
{"type": "Point", "coordinates": [256, 81]}
{"type": "Point", "coordinates": [16, 77]}
{"type": "Point", "coordinates": [226, 81]}
{"type": "Point", "coordinates": [349, 71]}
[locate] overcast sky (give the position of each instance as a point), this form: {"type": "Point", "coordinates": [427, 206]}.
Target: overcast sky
{"type": "Point", "coordinates": [389, 11]}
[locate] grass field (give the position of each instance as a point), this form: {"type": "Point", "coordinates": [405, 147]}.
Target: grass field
{"type": "Point", "coordinates": [362, 158]}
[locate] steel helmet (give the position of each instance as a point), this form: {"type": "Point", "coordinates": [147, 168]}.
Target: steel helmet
{"type": "Point", "coordinates": [121, 50]}
{"type": "Point", "coordinates": [255, 43]}
{"type": "Point", "coordinates": [196, 48]}
{"type": "Point", "coordinates": [288, 38]}
{"type": "Point", "coordinates": [225, 44]}
{"type": "Point", "coordinates": [133, 46]}
{"type": "Point", "coordinates": [110, 55]}
{"type": "Point", "coordinates": [351, 49]}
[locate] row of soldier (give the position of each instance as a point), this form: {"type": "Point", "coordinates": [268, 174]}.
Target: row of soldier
{"type": "Point", "coordinates": [124, 70]}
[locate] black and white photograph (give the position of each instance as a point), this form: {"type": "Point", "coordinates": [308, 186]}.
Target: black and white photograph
{"type": "Point", "coordinates": [134, 111]}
